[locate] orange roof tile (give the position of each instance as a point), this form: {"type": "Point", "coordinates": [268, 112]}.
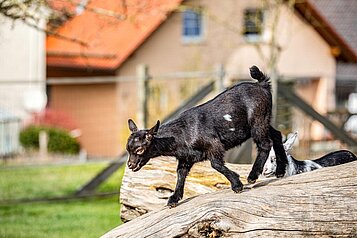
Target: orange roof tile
{"type": "Point", "coordinates": [63, 5]}
{"type": "Point", "coordinates": [109, 38]}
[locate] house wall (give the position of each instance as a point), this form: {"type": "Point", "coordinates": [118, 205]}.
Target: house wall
{"type": "Point", "coordinates": [96, 112]}
{"type": "Point", "coordinates": [304, 53]}
{"type": "Point", "coordinates": [165, 51]}
{"type": "Point", "coordinates": [22, 59]}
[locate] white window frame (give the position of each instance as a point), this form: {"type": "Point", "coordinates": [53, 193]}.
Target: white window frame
{"type": "Point", "coordinates": [187, 39]}
{"type": "Point", "coordinates": [258, 37]}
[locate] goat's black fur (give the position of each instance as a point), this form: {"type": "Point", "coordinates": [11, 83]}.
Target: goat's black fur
{"type": "Point", "coordinates": [330, 159]}
{"type": "Point", "coordinates": [205, 132]}
{"type": "Point", "coordinates": [336, 158]}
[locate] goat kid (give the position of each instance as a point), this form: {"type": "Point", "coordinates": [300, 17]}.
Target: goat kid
{"type": "Point", "coordinates": [296, 166]}
{"type": "Point", "coordinates": [205, 132]}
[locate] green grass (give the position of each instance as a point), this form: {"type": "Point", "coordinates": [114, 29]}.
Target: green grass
{"type": "Point", "coordinates": [74, 218]}
{"type": "Point", "coordinates": [80, 218]}
{"type": "Point", "coordinates": [51, 181]}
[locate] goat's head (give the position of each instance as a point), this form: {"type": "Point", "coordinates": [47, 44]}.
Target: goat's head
{"type": "Point", "coordinates": [138, 144]}
{"type": "Point", "coordinates": [271, 164]}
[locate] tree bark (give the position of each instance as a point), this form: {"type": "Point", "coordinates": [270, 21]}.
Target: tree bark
{"type": "Point", "coordinates": [150, 188]}
{"type": "Point", "coordinates": [321, 203]}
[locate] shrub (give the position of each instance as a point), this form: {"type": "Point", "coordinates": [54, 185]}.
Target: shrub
{"type": "Point", "coordinates": [59, 141]}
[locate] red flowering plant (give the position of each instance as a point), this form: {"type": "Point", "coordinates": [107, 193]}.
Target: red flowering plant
{"type": "Point", "coordinates": [53, 118]}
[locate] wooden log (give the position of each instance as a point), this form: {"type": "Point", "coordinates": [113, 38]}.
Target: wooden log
{"type": "Point", "coordinates": [149, 189]}
{"type": "Point", "coordinates": [321, 203]}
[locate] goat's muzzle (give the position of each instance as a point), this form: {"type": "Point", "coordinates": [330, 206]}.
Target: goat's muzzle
{"type": "Point", "coordinates": [135, 163]}
{"type": "Point", "coordinates": [134, 166]}
{"type": "Point", "coordinates": [268, 173]}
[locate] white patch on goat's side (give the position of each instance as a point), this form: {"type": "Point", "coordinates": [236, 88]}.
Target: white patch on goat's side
{"type": "Point", "coordinates": [232, 129]}
{"type": "Point", "coordinates": [227, 117]}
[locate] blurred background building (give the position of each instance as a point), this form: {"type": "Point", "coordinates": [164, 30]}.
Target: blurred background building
{"type": "Point", "coordinates": [90, 61]}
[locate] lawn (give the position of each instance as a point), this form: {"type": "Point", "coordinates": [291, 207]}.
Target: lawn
{"type": "Point", "coordinates": [18, 182]}
{"type": "Point", "coordinates": [75, 218]}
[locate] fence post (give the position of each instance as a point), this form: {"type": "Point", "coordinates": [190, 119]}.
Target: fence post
{"type": "Point", "coordinates": [142, 84]}
{"type": "Point", "coordinates": [220, 73]}
{"type": "Point", "coordinates": [43, 143]}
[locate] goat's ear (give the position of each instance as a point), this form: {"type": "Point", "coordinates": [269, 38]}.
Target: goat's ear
{"type": "Point", "coordinates": [288, 145]}
{"type": "Point", "coordinates": [132, 126]}
{"type": "Point", "coordinates": [155, 128]}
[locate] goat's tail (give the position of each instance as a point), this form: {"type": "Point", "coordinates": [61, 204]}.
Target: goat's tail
{"type": "Point", "coordinates": [255, 73]}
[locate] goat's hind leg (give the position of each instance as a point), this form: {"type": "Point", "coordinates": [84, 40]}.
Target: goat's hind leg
{"type": "Point", "coordinates": [233, 177]}
{"type": "Point", "coordinates": [280, 153]}
{"type": "Point", "coordinates": [264, 144]}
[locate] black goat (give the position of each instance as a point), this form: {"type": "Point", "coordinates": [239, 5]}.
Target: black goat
{"type": "Point", "coordinates": [205, 132]}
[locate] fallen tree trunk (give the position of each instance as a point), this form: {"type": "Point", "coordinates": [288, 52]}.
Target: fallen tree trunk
{"type": "Point", "coordinates": [149, 189]}
{"type": "Point", "coordinates": [320, 203]}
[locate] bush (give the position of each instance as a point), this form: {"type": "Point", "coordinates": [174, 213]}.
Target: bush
{"type": "Point", "coordinates": [59, 141]}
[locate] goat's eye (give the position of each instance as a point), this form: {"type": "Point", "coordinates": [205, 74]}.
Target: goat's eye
{"type": "Point", "coordinates": [148, 137]}
{"type": "Point", "coordinates": [272, 160]}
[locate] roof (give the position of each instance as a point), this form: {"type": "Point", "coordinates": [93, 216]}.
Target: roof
{"type": "Point", "coordinates": [336, 22]}
{"type": "Point", "coordinates": [111, 31]}
{"type": "Point", "coordinates": [346, 71]}
{"type": "Point", "coordinates": [63, 5]}
{"type": "Point", "coordinates": [342, 15]}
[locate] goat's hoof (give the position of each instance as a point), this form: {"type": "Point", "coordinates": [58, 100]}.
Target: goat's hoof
{"type": "Point", "coordinates": [252, 178]}
{"type": "Point", "coordinates": [172, 205]}
{"type": "Point", "coordinates": [172, 202]}
{"type": "Point", "coordinates": [280, 171]}
{"type": "Point", "coordinates": [251, 181]}
{"type": "Point", "coordinates": [237, 188]}
{"type": "Point", "coordinates": [280, 174]}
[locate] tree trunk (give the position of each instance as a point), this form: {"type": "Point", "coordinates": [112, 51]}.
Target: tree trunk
{"type": "Point", "coordinates": [149, 189]}
{"type": "Point", "coordinates": [321, 203]}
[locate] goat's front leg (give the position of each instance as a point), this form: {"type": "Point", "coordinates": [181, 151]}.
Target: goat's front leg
{"type": "Point", "coordinates": [183, 168]}
{"type": "Point", "coordinates": [218, 164]}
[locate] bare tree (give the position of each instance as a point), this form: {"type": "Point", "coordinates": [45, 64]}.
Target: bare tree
{"type": "Point", "coordinates": [55, 13]}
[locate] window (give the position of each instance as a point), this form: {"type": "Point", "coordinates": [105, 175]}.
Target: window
{"type": "Point", "coordinates": [192, 30]}
{"type": "Point", "coordinates": [253, 24]}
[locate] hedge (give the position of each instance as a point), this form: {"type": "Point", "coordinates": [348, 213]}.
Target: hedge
{"type": "Point", "coordinates": [59, 141]}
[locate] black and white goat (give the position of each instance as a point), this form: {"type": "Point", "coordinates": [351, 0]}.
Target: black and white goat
{"type": "Point", "coordinates": [296, 166]}
{"type": "Point", "coordinates": [205, 132]}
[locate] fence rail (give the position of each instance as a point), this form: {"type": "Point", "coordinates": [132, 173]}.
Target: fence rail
{"type": "Point", "coordinates": [147, 83]}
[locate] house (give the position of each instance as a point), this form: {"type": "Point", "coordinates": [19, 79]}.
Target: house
{"type": "Point", "coordinates": [9, 134]}
{"type": "Point", "coordinates": [22, 67]}
{"type": "Point", "coordinates": [195, 35]}
{"type": "Point", "coordinates": [22, 80]}
{"type": "Point", "coordinates": [342, 17]}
